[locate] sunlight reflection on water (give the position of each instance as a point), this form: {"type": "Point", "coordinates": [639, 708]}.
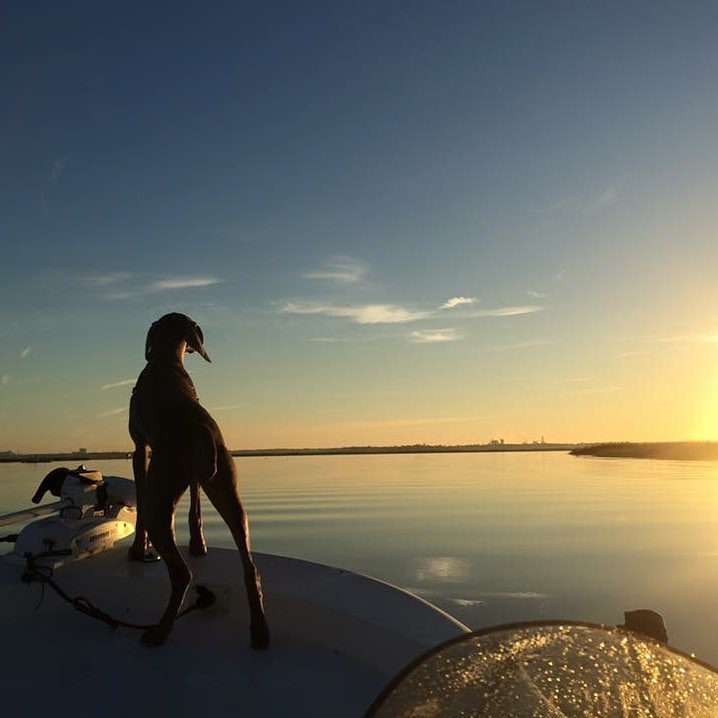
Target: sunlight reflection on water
{"type": "Point", "coordinates": [491, 538]}
{"type": "Point", "coordinates": [444, 569]}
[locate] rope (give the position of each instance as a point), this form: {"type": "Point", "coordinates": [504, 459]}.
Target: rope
{"type": "Point", "coordinates": [44, 575]}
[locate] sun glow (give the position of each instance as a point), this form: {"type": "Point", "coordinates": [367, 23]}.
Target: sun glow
{"type": "Point", "coordinates": [707, 428]}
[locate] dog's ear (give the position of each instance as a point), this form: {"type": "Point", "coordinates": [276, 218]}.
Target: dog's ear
{"type": "Point", "coordinates": [195, 340]}
{"type": "Point", "coordinates": [150, 340]}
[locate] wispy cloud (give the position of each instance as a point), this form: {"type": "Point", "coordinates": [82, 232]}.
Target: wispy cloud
{"type": "Point", "coordinates": [562, 205]}
{"type": "Point", "coordinates": [361, 314]}
{"type": "Point", "coordinates": [343, 340]}
{"type": "Point", "coordinates": [113, 412]}
{"type": "Point", "coordinates": [435, 336]}
{"type": "Point", "coordinates": [103, 280]}
{"type": "Point", "coordinates": [505, 311]}
{"type": "Point", "coordinates": [124, 382]}
{"type": "Point", "coordinates": [687, 339]}
{"type": "Point", "coordinates": [394, 313]}
{"type": "Point", "coordinates": [5, 379]}
{"type": "Point", "coordinates": [330, 340]}
{"type": "Point", "coordinates": [25, 352]}
{"type": "Point", "coordinates": [530, 344]}
{"type": "Point", "coordinates": [342, 270]}
{"type": "Point", "coordinates": [536, 295]}
{"type": "Point", "coordinates": [161, 285]}
{"type": "Point", "coordinates": [228, 407]}
{"type": "Point", "coordinates": [457, 301]}
{"type": "Point", "coordinates": [597, 390]}
{"type": "Point", "coordinates": [609, 197]}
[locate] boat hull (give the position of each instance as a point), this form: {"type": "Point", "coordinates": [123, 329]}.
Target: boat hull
{"type": "Point", "coordinates": [337, 638]}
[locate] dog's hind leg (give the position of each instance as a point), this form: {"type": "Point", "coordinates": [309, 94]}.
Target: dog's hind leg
{"type": "Point", "coordinates": [163, 491]}
{"type": "Point", "coordinates": [197, 544]}
{"type": "Point", "coordinates": [203, 465]}
{"type": "Point", "coordinates": [223, 492]}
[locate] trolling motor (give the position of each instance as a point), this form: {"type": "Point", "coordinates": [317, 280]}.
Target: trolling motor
{"type": "Point", "coordinates": [94, 512]}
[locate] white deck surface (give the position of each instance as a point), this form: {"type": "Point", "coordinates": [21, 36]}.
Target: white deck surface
{"type": "Point", "coordinates": [337, 639]}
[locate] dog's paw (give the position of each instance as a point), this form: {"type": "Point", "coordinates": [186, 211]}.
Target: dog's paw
{"type": "Point", "coordinates": [259, 633]}
{"type": "Point", "coordinates": [136, 553]}
{"type": "Point", "coordinates": [197, 547]}
{"type": "Point", "coordinates": [154, 636]}
{"type": "Point", "coordinates": [148, 555]}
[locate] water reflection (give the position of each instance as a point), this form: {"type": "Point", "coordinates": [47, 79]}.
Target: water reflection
{"type": "Point", "coordinates": [520, 595]}
{"type": "Point", "coordinates": [442, 569]}
{"type": "Point", "coordinates": [490, 538]}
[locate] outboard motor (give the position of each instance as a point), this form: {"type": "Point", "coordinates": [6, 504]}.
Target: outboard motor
{"type": "Point", "coordinates": [76, 487]}
{"type": "Point", "coordinates": [94, 513]}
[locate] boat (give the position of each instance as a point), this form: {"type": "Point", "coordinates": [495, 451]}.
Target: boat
{"type": "Point", "coordinates": [343, 645]}
{"type": "Point", "coordinates": [338, 637]}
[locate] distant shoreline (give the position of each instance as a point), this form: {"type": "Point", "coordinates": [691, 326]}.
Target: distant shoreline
{"type": "Point", "coordinates": [675, 450]}
{"type": "Point", "coordinates": [670, 450]}
{"type": "Point", "coordinates": [44, 458]}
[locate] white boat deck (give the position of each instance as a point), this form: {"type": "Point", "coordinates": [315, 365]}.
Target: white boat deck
{"type": "Point", "coordinates": [337, 639]}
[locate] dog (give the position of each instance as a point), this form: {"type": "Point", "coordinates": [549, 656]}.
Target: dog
{"type": "Point", "coordinates": [187, 450]}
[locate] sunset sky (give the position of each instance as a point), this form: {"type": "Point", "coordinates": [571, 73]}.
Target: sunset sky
{"type": "Point", "coordinates": [396, 222]}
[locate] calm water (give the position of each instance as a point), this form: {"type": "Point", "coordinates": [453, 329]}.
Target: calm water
{"type": "Point", "coordinates": [491, 538]}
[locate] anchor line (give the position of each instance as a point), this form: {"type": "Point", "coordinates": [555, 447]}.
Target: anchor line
{"type": "Point", "coordinates": [44, 576]}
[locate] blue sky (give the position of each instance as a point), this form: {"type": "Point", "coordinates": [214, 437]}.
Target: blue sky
{"type": "Point", "coordinates": [396, 222]}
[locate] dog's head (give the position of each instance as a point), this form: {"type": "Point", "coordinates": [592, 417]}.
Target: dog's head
{"type": "Point", "coordinates": [168, 331]}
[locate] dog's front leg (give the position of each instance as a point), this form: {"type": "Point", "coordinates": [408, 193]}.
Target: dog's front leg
{"type": "Point", "coordinates": [161, 497]}
{"type": "Point", "coordinates": [180, 577]}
